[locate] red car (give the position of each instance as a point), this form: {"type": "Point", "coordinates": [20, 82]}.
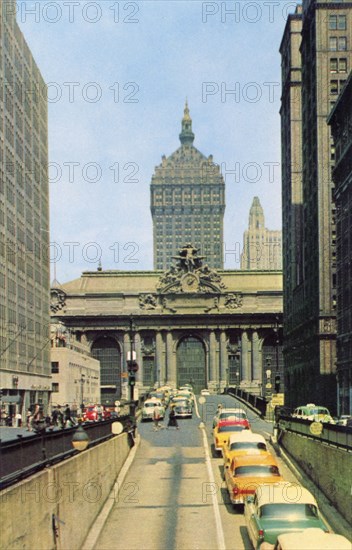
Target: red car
{"type": "Point", "coordinates": [94, 413]}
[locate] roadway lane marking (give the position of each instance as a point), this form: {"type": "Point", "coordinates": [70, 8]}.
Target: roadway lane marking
{"type": "Point", "coordinates": [219, 529]}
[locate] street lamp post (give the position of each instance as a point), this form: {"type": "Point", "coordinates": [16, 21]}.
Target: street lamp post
{"type": "Point", "coordinates": [82, 381]}
{"type": "Point", "coordinates": [277, 341]}
{"type": "Point", "coordinates": [132, 369]}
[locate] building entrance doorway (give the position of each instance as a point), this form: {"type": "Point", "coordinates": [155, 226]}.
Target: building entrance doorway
{"type": "Point", "coordinates": [191, 364]}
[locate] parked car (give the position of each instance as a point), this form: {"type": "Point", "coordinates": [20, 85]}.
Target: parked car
{"type": "Point", "coordinates": [246, 473]}
{"type": "Point", "coordinates": [283, 508]}
{"type": "Point", "coordinates": [205, 391]}
{"type": "Point", "coordinates": [223, 430]}
{"type": "Point", "coordinates": [345, 420]}
{"type": "Point", "coordinates": [313, 412]}
{"type": "Point", "coordinates": [183, 409]}
{"type": "Point", "coordinates": [314, 539]}
{"type": "Point", "coordinates": [231, 414]}
{"type": "Point", "coordinates": [94, 413]}
{"type": "Point", "coordinates": [148, 409]}
{"type": "Point", "coordinates": [244, 443]}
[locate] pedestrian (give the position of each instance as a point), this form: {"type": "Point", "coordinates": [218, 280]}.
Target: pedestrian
{"type": "Point", "coordinates": [68, 419]}
{"type": "Point", "coordinates": [18, 418]}
{"type": "Point", "coordinates": [172, 423]}
{"type": "Point", "coordinates": [29, 418]}
{"type": "Point", "coordinates": [156, 417]}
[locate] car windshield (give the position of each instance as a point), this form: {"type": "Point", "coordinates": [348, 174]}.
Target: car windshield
{"type": "Point", "coordinates": [319, 410]}
{"type": "Point", "coordinates": [149, 405]}
{"type": "Point", "coordinates": [257, 471]}
{"type": "Point", "coordinates": [288, 511]}
{"type": "Point", "coordinates": [248, 445]}
{"type": "Point", "coordinates": [230, 428]}
{"type": "Point", "coordinates": [239, 415]}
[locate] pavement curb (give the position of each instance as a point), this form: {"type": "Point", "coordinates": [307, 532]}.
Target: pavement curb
{"type": "Point", "coordinates": [96, 529]}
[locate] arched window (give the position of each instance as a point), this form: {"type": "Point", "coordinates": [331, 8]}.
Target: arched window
{"type": "Point", "coordinates": [191, 364]}
{"type": "Point", "coordinates": [107, 351]}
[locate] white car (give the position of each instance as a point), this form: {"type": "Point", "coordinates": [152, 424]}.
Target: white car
{"type": "Point", "coordinates": [148, 409]}
{"type": "Point", "coordinates": [205, 392]}
{"type": "Point", "coordinates": [229, 414]}
{"type": "Point", "coordinates": [314, 539]}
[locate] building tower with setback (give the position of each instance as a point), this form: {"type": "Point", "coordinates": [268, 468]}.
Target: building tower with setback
{"type": "Point", "coordinates": [261, 246]}
{"type": "Point", "coordinates": [187, 203]}
{"type": "Point", "coordinates": [310, 273]}
{"type": "Point", "coordinates": [24, 223]}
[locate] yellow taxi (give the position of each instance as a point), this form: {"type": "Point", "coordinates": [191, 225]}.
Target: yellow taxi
{"type": "Point", "coordinates": [245, 473]}
{"type": "Point", "coordinates": [222, 431]}
{"type": "Point", "coordinates": [244, 443]}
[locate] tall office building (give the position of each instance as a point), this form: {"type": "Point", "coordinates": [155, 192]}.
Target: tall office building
{"type": "Point", "coordinates": [309, 266]}
{"type": "Point", "coordinates": [187, 203]}
{"type": "Point", "coordinates": [24, 222]}
{"type": "Point", "coordinates": [340, 121]}
{"type": "Point", "coordinates": [262, 247]}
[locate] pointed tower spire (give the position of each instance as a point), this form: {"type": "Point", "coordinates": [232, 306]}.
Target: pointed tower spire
{"type": "Point", "coordinates": [186, 136]}
{"type": "Point", "coordinates": [256, 215]}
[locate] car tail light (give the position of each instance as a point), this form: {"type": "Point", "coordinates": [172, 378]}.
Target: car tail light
{"type": "Point", "coordinates": [235, 490]}
{"type": "Point", "coordinates": [217, 441]}
{"type": "Point", "coordinates": [260, 534]}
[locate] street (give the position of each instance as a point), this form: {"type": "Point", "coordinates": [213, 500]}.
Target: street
{"type": "Point", "coordinates": [170, 499]}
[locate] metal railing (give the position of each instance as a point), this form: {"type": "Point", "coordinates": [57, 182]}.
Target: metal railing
{"type": "Point", "coordinates": [331, 434]}
{"type": "Point", "coordinates": [25, 456]}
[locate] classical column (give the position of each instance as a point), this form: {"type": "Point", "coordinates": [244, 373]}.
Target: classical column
{"type": "Point", "coordinates": [224, 365]}
{"type": "Point", "coordinates": [138, 349]}
{"type": "Point", "coordinates": [212, 357]}
{"type": "Point", "coordinates": [245, 363]}
{"type": "Point", "coordinates": [257, 367]}
{"type": "Point", "coordinates": [170, 360]}
{"type": "Point", "coordinates": [159, 357]}
{"type": "Point", "coordinates": [126, 349]}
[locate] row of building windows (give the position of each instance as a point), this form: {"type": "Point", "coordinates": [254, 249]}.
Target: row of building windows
{"type": "Point", "coordinates": [338, 43]}
{"type": "Point", "coordinates": [337, 22]}
{"type": "Point", "coordinates": [338, 65]}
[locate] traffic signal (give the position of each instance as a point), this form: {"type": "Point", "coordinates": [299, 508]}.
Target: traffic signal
{"type": "Point", "coordinates": [277, 383]}
{"type": "Point", "coordinates": [132, 380]}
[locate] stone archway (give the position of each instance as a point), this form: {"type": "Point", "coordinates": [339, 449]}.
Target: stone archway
{"type": "Point", "coordinates": [191, 363]}
{"type": "Point", "coordinates": [108, 352]}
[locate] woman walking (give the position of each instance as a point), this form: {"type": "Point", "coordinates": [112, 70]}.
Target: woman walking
{"type": "Point", "coordinates": [172, 423]}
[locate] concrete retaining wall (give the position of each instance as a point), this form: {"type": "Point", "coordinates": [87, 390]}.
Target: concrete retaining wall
{"type": "Point", "coordinates": [56, 507]}
{"type": "Point", "coordinates": [328, 467]}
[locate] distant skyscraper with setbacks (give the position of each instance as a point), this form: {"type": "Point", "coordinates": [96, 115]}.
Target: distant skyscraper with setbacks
{"type": "Point", "coordinates": [187, 203]}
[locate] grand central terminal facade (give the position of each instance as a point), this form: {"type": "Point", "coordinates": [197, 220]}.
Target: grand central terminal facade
{"type": "Point", "coordinates": [188, 324]}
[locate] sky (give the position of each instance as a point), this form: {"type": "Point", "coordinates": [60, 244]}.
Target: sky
{"type": "Point", "coordinates": [118, 74]}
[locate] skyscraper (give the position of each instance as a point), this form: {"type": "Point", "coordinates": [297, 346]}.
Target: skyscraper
{"type": "Point", "coordinates": [24, 222]}
{"type": "Point", "coordinates": [187, 203]}
{"type": "Point", "coordinates": [261, 246]}
{"type": "Point", "coordinates": [310, 271]}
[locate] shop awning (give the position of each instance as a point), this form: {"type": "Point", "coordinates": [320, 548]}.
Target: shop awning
{"type": "Point", "coordinates": [8, 399]}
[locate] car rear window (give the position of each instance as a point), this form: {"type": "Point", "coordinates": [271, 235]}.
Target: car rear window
{"type": "Point", "coordinates": [288, 511]}
{"type": "Point", "coordinates": [231, 428]}
{"type": "Point", "coordinates": [240, 416]}
{"type": "Point", "coordinates": [248, 445]}
{"type": "Point", "coordinates": [257, 471]}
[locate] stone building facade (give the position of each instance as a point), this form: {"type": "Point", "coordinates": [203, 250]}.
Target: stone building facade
{"type": "Point", "coordinates": [340, 121]}
{"type": "Point", "coordinates": [75, 373]}
{"type": "Point", "coordinates": [262, 247]}
{"type": "Point", "coordinates": [187, 202]}
{"type": "Point", "coordinates": [24, 222]}
{"type": "Point", "coordinates": [189, 324]}
{"type": "Point", "coordinates": [315, 68]}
